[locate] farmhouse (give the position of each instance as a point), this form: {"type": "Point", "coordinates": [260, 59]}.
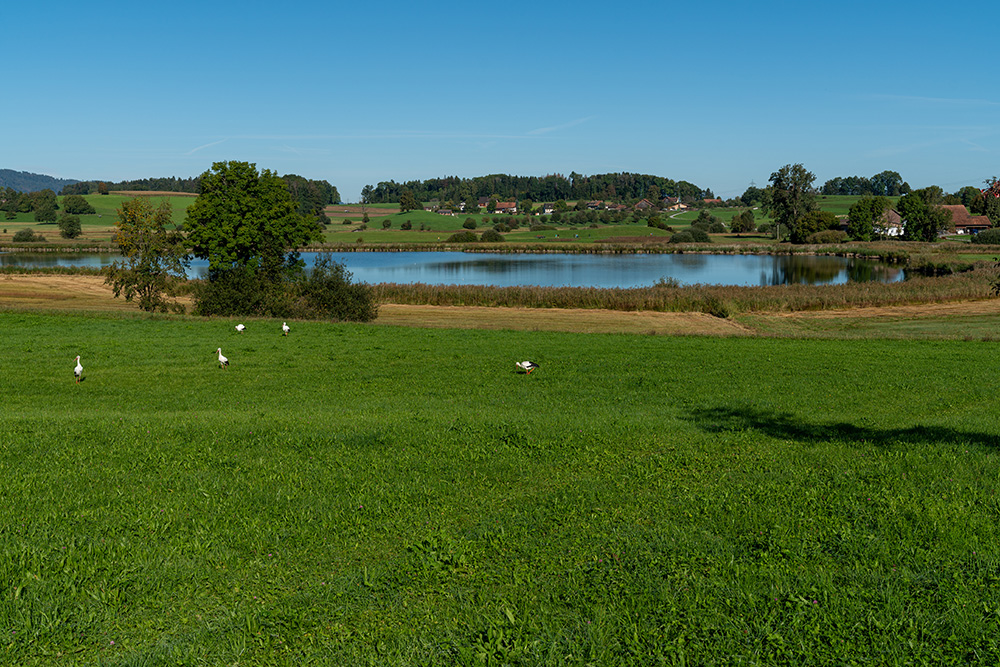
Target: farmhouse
{"type": "Point", "coordinates": [890, 224]}
{"type": "Point", "coordinates": [506, 207]}
{"type": "Point", "coordinates": [965, 223]}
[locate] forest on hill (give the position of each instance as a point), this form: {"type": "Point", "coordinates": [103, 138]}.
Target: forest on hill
{"type": "Point", "coordinates": [24, 181]}
{"type": "Point", "coordinates": [553, 187]}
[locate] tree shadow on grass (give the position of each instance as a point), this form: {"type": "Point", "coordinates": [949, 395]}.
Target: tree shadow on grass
{"type": "Point", "coordinates": [787, 426]}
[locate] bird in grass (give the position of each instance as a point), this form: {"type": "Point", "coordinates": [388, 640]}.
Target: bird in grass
{"type": "Point", "coordinates": [526, 366]}
{"type": "Point", "coordinates": [284, 328]}
{"type": "Point", "coordinates": [78, 371]}
{"type": "Point", "coordinates": [240, 328]}
{"type": "Point", "coordinates": [223, 361]}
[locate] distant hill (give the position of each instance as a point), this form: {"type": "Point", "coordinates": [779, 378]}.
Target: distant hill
{"type": "Point", "coordinates": [24, 181]}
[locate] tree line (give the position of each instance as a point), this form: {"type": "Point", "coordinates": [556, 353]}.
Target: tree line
{"type": "Point", "coordinates": [505, 187]}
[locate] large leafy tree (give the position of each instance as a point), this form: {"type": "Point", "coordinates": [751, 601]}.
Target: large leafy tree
{"type": "Point", "coordinates": [245, 221]}
{"type": "Point", "coordinates": [863, 215]}
{"type": "Point", "coordinates": [790, 196]}
{"type": "Point", "coordinates": [922, 219]}
{"type": "Point", "coordinates": [153, 257]}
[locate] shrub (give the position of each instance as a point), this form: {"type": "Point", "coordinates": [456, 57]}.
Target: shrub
{"type": "Point", "coordinates": [406, 225]}
{"type": "Point", "coordinates": [347, 221]}
{"type": "Point", "coordinates": [501, 227]}
{"type": "Point", "coordinates": [988, 236]}
{"type": "Point", "coordinates": [240, 293]}
{"type": "Point", "coordinates": [387, 223]}
{"type": "Point", "coordinates": [77, 205]}
{"type": "Point", "coordinates": [700, 235]}
{"type": "Point", "coordinates": [827, 236]}
{"type": "Point", "coordinates": [541, 228]}
{"type": "Point", "coordinates": [682, 237]}
{"type": "Point", "coordinates": [329, 292]}
{"type": "Point", "coordinates": [491, 236]}
{"type": "Point", "coordinates": [69, 226]}
{"type": "Point", "coordinates": [27, 236]}
{"type": "Point", "coordinates": [462, 237]}
{"type": "Point", "coordinates": [717, 227]}
{"type": "Point", "coordinates": [469, 223]}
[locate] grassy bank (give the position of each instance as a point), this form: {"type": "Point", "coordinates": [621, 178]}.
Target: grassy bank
{"type": "Point", "coordinates": [361, 494]}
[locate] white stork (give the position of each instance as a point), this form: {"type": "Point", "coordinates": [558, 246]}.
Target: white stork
{"type": "Point", "coordinates": [78, 371]}
{"type": "Point", "coordinates": [526, 366]}
{"type": "Point", "coordinates": [223, 361]}
{"type": "Point", "coordinates": [240, 328]}
{"type": "Point", "coordinates": [284, 328]}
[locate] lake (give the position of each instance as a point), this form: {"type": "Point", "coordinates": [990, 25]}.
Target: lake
{"type": "Point", "coordinates": [554, 270]}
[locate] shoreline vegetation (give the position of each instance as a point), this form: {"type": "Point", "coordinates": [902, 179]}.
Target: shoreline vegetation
{"type": "Point", "coordinates": [936, 273]}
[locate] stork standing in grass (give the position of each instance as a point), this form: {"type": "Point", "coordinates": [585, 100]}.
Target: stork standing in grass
{"type": "Point", "coordinates": [240, 328]}
{"type": "Point", "coordinates": [223, 361]}
{"type": "Point", "coordinates": [78, 371]}
{"type": "Point", "coordinates": [284, 328]}
{"type": "Point", "coordinates": [526, 366]}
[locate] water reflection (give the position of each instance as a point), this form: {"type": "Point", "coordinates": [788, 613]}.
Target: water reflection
{"type": "Point", "coordinates": [437, 268]}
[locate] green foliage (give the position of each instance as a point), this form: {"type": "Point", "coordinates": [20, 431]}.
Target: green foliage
{"type": "Point", "coordinates": [386, 223]}
{"type": "Point", "coordinates": [812, 222]}
{"type": "Point", "coordinates": [705, 219]}
{"type": "Point", "coordinates": [245, 221]}
{"type": "Point", "coordinates": [69, 226]}
{"type": "Point", "coordinates": [491, 236]}
{"type": "Point", "coordinates": [462, 237]}
{"type": "Point", "coordinates": [682, 237]}
{"type": "Point", "coordinates": [27, 235]}
{"type": "Point", "coordinates": [243, 293]}
{"type": "Point", "coordinates": [469, 224]}
{"type": "Point", "coordinates": [863, 216]}
{"type": "Point", "coordinates": [988, 205]}
{"type": "Point", "coordinates": [699, 235]}
{"type": "Point", "coordinates": [790, 196]}
{"type": "Point", "coordinates": [45, 212]}
{"type": "Point", "coordinates": [78, 205]}
{"type": "Point", "coordinates": [743, 222]}
{"type": "Point", "coordinates": [153, 258]}
{"type": "Point", "coordinates": [922, 221]}
{"type": "Point", "coordinates": [329, 293]}
{"type": "Point", "coordinates": [717, 227]}
{"type": "Point", "coordinates": [407, 202]}
{"type": "Point", "coordinates": [827, 236]}
{"type": "Point", "coordinates": [406, 226]}
{"type": "Point", "coordinates": [987, 237]}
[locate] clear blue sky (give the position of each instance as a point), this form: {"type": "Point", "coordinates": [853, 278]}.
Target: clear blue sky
{"type": "Point", "coordinates": [720, 94]}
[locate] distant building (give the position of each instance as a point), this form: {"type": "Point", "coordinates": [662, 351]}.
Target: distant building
{"type": "Point", "coordinates": [963, 222]}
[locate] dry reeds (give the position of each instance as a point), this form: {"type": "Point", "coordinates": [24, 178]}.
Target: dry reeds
{"type": "Point", "coordinates": [720, 300]}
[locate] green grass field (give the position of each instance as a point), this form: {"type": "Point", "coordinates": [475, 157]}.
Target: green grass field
{"type": "Point", "coordinates": [361, 494]}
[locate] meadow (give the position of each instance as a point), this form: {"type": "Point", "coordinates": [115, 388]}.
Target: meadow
{"type": "Point", "coordinates": [363, 494]}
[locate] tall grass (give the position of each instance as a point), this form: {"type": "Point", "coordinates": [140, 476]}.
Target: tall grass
{"type": "Point", "coordinates": [720, 300]}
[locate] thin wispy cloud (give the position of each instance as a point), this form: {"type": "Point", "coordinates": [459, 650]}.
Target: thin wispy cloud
{"type": "Point", "coordinates": [556, 128]}
{"type": "Point", "coordinates": [203, 147]}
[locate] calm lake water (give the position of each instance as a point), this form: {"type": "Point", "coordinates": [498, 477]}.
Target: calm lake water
{"type": "Point", "coordinates": [555, 270]}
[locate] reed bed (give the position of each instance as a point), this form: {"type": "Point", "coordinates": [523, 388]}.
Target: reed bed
{"type": "Point", "coordinates": [720, 300]}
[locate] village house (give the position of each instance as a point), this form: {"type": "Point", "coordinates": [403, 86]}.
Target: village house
{"type": "Point", "coordinates": [963, 222]}
{"type": "Point", "coordinates": [890, 224]}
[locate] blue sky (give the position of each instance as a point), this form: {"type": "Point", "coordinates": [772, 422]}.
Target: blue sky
{"type": "Point", "coordinates": [720, 94]}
